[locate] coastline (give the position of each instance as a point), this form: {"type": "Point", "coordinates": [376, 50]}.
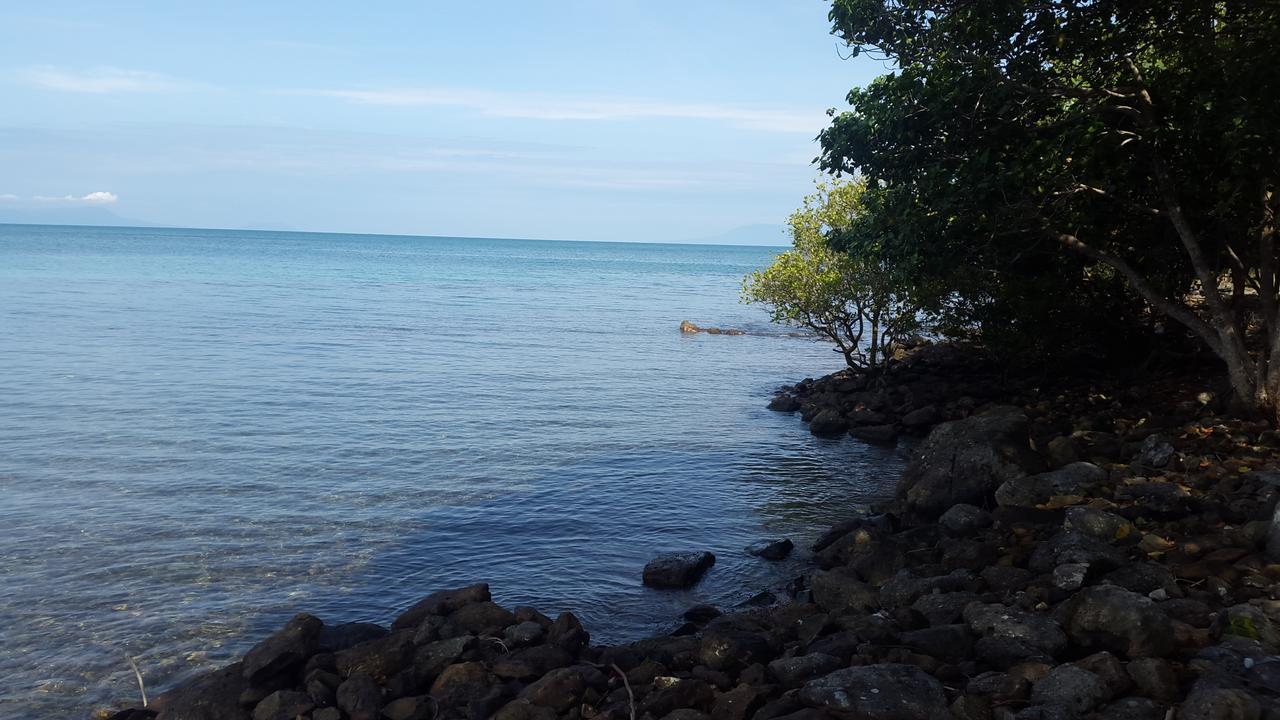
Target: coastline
{"type": "Point", "coordinates": [1052, 552]}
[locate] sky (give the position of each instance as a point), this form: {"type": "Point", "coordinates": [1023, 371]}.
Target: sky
{"type": "Point", "coordinates": [593, 120]}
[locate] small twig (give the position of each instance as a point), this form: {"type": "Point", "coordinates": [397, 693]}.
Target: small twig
{"type": "Point", "coordinates": [631, 698]}
{"type": "Point", "coordinates": [138, 674]}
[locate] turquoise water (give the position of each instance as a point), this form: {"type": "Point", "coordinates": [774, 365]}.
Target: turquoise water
{"type": "Point", "coordinates": [203, 432]}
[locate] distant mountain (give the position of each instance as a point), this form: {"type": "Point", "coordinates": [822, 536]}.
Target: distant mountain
{"type": "Point", "coordinates": [759, 234]}
{"type": "Point", "coordinates": [66, 216]}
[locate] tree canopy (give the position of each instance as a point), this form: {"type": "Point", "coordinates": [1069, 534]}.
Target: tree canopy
{"type": "Point", "coordinates": [1065, 160]}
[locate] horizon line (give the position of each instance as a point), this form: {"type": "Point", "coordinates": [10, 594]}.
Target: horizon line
{"type": "Point", "coordinates": [400, 235]}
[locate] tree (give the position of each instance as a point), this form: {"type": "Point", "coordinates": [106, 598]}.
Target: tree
{"type": "Point", "coordinates": [1139, 142]}
{"type": "Point", "coordinates": [846, 299]}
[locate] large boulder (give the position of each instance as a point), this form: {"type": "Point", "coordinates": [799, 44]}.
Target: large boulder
{"type": "Point", "coordinates": [1078, 478]}
{"type": "Point", "coordinates": [878, 692]}
{"type": "Point", "coordinates": [1119, 620]}
{"type": "Point", "coordinates": [964, 461]}
{"type": "Point", "coordinates": [441, 603]}
{"type": "Point", "coordinates": [677, 570]}
{"type": "Point", "coordinates": [284, 652]}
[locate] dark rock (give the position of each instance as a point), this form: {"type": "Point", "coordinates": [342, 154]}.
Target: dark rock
{"type": "Point", "coordinates": [964, 461]}
{"type": "Point", "coordinates": [1072, 687]}
{"type": "Point", "coordinates": [1207, 702]}
{"type": "Point", "coordinates": [462, 684]}
{"type": "Point", "coordinates": [795, 671]}
{"type": "Point", "coordinates": [739, 703]}
{"type": "Point", "coordinates": [1006, 579]}
{"type": "Point", "coordinates": [1142, 578]}
{"type": "Point", "coordinates": [1155, 678]}
{"type": "Point", "coordinates": [1246, 621]}
{"type": "Point", "coordinates": [947, 642]}
{"type": "Point", "coordinates": [1070, 547]}
{"type": "Point", "coordinates": [670, 693]}
{"type": "Point", "coordinates": [1098, 524]}
{"type": "Point", "coordinates": [327, 713]}
{"type": "Point", "coordinates": [1079, 479]}
{"type": "Point", "coordinates": [878, 692]}
{"type": "Point", "coordinates": [702, 614]}
{"type": "Point", "coordinates": [964, 519]}
{"type": "Point", "coordinates": [784, 403]}
{"type": "Point", "coordinates": [841, 589]}
{"type": "Point", "coordinates": [533, 662]}
{"type": "Point", "coordinates": [677, 570]}
{"type": "Point", "coordinates": [416, 707]}
{"type": "Point", "coordinates": [943, 608]}
{"type": "Point", "coordinates": [431, 659]}
{"type": "Point", "coordinates": [523, 634]}
{"type": "Point", "coordinates": [283, 705]}
{"type": "Point", "coordinates": [828, 423]}
{"type": "Point", "coordinates": [771, 549]}
{"type": "Point", "coordinates": [478, 618]}
{"type": "Point", "coordinates": [443, 602]}
{"type": "Point", "coordinates": [340, 637]}
{"type": "Point", "coordinates": [1156, 453]}
{"type": "Point", "coordinates": [1001, 687]}
{"type": "Point", "coordinates": [558, 689]}
{"type": "Point", "coordinates": [1105, 616]}
{"type": "Point", "coordinates": [211, 696]}
{"type": "Point", "coordinates": [879, 434]}
{"type": "Point", "coordinates": [1132, 708]}
{"type": "Point", "coordinates": [381, 657]}
{"type": "Point", "coordinates": [284, 652]}
{"type": "Point", "coordinates": [728, 649]}
{"type": "Point", "coordinates": [133, 714]}
{"type": "Point", "coordinates": [905, 588]}
{"type": "Point", "coordinates": [360, 698]}
{"type": "Point", "coordinates": [1007, 652]}
{"type": "Point", "coordinates": [1110, 670]}
{"type": "Point", "coordinates": [921, 418]}
{"type": "Point", "coordinates": [568, 634]}
{"type": "Point", "coordinates": [1037, 631]}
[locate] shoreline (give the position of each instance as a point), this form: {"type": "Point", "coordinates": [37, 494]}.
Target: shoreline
{"type": "Point", "coordinates": [1032, 565]}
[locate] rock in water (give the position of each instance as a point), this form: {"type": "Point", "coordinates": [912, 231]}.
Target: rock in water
{"type": "Point", "coordinates": [964, 461]}
{"type": "Point", "coordinates": [677, 570]}
{"type": "Point", "coordinates": [878, 692]}
{"type": "Point", "coordinates": [771, 549]}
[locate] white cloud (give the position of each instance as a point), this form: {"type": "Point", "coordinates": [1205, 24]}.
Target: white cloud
{"type": "Point", "coordinates": [99, 80]}
{"type": "Point", "coordinates": [98, 197]}
{"type": "Point", "coordinates": [546, 107]}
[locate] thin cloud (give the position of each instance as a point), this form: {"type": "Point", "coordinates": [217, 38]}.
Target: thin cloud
{"type": "Point", "coordinates": [101, 80]}
{"type": "Point", "coordinates": [98, 197]}
{"type": "Point", "coordinates": [545, 107]}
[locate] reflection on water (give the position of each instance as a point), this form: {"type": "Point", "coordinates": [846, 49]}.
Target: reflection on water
{"type": "Point", "coordinates": [205, 432]}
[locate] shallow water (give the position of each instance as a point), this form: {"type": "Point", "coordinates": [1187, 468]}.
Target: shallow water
{"type": "Point", "coordinates": [204, 432]}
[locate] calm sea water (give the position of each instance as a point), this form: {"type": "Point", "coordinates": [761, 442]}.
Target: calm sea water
{"type": "Point", "coordinates": [204, 432]}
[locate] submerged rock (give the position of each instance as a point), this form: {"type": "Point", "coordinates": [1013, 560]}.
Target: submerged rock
{"type": "Point", "coordinates": [678, 570]}
{"type": "Point", "coordinates": [771, 549]}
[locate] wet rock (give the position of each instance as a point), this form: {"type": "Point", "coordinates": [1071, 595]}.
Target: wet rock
{"type": "Point", "coordinates": [964, 461]}
{"type": "Point", "coordinates": [462, 684]}
{"type": "Point", "coordinates": [878, 692]}
{"type": "Point", "coordinates": [1109, 617]}
{"type": "Point", "coordinates": [211, 696]}
{"type": "Point", "coordinates": [340, 637]}
{"type": "Point", "coordinates": [702, 614]}
{"type": "Point", "coordinates": [1110, 670]}
{"type": "Point", "coordinates": [784, 403]}
{"type": "Point", "coordinates": [525, 633]}
{"type": "Point", "coordinates": [677, 570]}
{"type": "Point", "coordinates": [284, 652]}
{"type": "Point", "coordinates": [1078, 479]}
{"type": "Point", "coordinates": [1072, 687]}
{"type": "Point", "coordinates": [777, 549]}
{"type": "Point", "coordinates": [567, 633]}
{"type": "Point", "coordinates": [443, 602]}
{"type": "Point", "coordinates": [828, 423]}
{"type": "Point", "coordinates": [1037, 631]}
{"type": "Point", "coordinates": [886, 434]}
{"type": "Point", "coordinates": [283, 705]}
{"type": "Point", "coordinates": [360, 698]}
{"type": "Point", "coordinates": [795, 671]}
{"type": "Point", "coordinates": [533, 662]}
{"type": "Point", "coordinates": [478, 618]}
{"type": "Point", "coordinates": [964, 519]}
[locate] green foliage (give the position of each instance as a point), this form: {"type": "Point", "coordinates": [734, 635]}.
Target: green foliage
{"type": "Point", "coordinates": [1070, 165]}
{"type": "Point", "coordinates": [848, 299]}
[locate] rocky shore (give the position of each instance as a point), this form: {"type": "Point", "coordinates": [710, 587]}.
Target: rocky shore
{"type": "Point", "coordinates": [1053, 551]}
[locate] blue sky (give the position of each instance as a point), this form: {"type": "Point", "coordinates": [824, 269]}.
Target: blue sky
{"type": "Point", "coordinates": [604, 120]}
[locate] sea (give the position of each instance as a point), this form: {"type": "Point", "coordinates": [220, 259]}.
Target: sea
{"type": "Point", "coordinates": [204, 432]}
